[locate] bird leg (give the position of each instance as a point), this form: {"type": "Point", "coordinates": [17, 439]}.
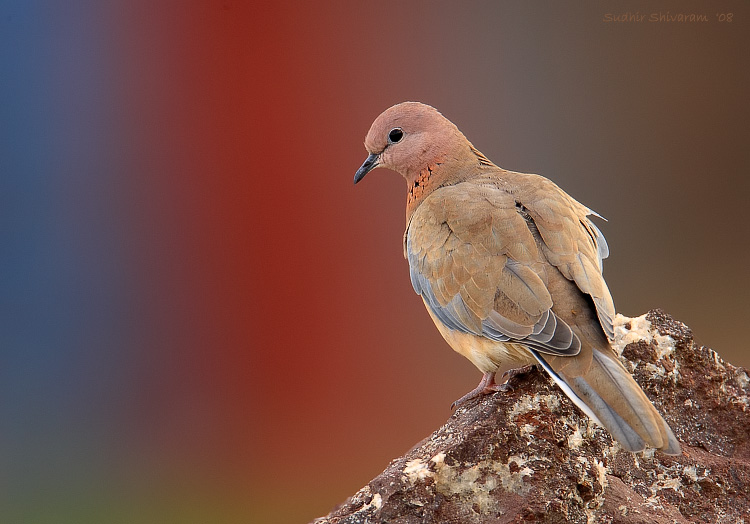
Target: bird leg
{"type": "Point", "coordinates": [486, 385]}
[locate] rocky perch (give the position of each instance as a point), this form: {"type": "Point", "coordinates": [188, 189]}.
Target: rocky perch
{"type": "Point", "coordinates": [531, 456]}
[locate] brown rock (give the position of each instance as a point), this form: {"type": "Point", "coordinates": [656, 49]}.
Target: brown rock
{"type": "Point", "coordinates": [531, 456]}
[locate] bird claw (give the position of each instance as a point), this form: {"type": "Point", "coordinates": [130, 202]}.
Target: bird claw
{"type": "Point", "coordinates": [512, 373]}
{"type": "Point", "coordinates": [486, 386]}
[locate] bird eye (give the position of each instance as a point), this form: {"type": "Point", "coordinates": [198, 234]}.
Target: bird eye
{"type": "Point", "coordinates": [395, 135]}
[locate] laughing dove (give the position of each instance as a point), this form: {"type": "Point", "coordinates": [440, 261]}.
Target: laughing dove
{"type": "Point", "coordinates": [509, 267]}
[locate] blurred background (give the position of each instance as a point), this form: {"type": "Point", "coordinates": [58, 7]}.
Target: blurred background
{"type": "Point", "coordinates": [204, 321]}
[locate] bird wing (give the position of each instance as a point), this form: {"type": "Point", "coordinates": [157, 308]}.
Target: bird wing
{"type": "Point", "coordinates": [475, 261]}
{"type": "Point", "coordinates": [570, 241]}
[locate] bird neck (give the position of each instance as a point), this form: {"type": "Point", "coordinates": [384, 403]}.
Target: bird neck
{"type": "Point", "coordinates": [445, 171]}
{"type": "Point", "coordinates": [421, 185]}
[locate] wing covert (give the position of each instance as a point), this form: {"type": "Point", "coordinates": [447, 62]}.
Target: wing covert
{"type": "Point", "coordinates": [573, 244]}
{"type": "Point", "coordinates": [476, 263]}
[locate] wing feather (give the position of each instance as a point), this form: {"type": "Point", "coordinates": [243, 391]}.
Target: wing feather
{"type": "Point", "coordinates": [476, 263]}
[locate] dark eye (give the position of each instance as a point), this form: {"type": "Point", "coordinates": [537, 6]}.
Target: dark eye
{"type": "Point", "coordinates": [395, 135]}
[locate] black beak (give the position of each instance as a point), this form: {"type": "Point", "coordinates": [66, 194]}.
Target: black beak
{"type": "Point", "coordinates": [370, 164]}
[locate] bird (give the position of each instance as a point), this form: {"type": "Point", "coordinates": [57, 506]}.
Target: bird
{"type": "Point", "coordinates": [509, 267]}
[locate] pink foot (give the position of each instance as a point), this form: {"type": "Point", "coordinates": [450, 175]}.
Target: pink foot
{"type": "Point", "coordinates": [486, 385]}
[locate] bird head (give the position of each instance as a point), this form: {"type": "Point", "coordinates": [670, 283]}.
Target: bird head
{"type": "Point", "coordinates": [409, 138]}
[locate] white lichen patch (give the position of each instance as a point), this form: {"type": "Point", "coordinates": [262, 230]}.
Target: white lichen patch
{"type": "Point", "coordinates": [528, 403]}
{"type": "Point", "coordinates": [527, 429]}
{"type": "Point", "coordinates": [590, 471]}
{"type": "Point", "coordinates": [664, 481]}
{"type": "Point", "coordinates": [512, 481]}
{"type": "Point", "coordinates": [451, 481]}
{"type": "Point", "coordinates": [654, 370]}
{"type": "Point", "coordinates": [640, 329]}
{"type": "Point", "coordinates": [463, 482]}
{"type": "Point", "coordinates": [613, 449]}
{"type": "Point", "coordinates": [474, 483]}
{"type": "Point", "coordinates": [691, 473]}
{"type": "Point", "coordinates": [575, 439]}
{"type": "Point", "coordinates": [597, 467]}
{"type": "Point", "coordinates": [601, 473]}
{"type": "Point", "coordinates": [743, 379]}
{"type": "Point", "coordinates": [737, 396]}
{"type": "Point", "coordinates": [438, 459]}
{"type": "Point", "coordinates": [664, 345]}
{"type": "Point", "coordinates": [582, 430]}
{"type": "Point", "coordinates": [376, 502]}
{"type": "Point", "coordinates": [417, 470]}
{"type": "Point", "coordinates": [717, 359]}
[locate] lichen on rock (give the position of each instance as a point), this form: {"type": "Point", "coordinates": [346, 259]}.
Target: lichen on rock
{"type": "Point", "coordinates": [530, 455]}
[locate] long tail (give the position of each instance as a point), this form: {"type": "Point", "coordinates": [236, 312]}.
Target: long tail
{"type": "Point", "coordinates": [607, 393]}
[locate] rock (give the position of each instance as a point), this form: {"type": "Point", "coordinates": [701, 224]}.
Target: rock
{"type": "Point", "coordinates": [531, 456]}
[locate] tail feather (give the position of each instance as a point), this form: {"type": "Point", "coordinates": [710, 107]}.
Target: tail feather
{"type": "Point", "coordinates": [607, 393]}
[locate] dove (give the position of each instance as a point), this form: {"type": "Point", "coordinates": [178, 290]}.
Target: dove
{"type": "Point", "coordinates": [509, 267]}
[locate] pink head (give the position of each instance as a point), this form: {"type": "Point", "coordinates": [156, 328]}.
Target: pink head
{"type": "Point", "coordinates": [410, 137]}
